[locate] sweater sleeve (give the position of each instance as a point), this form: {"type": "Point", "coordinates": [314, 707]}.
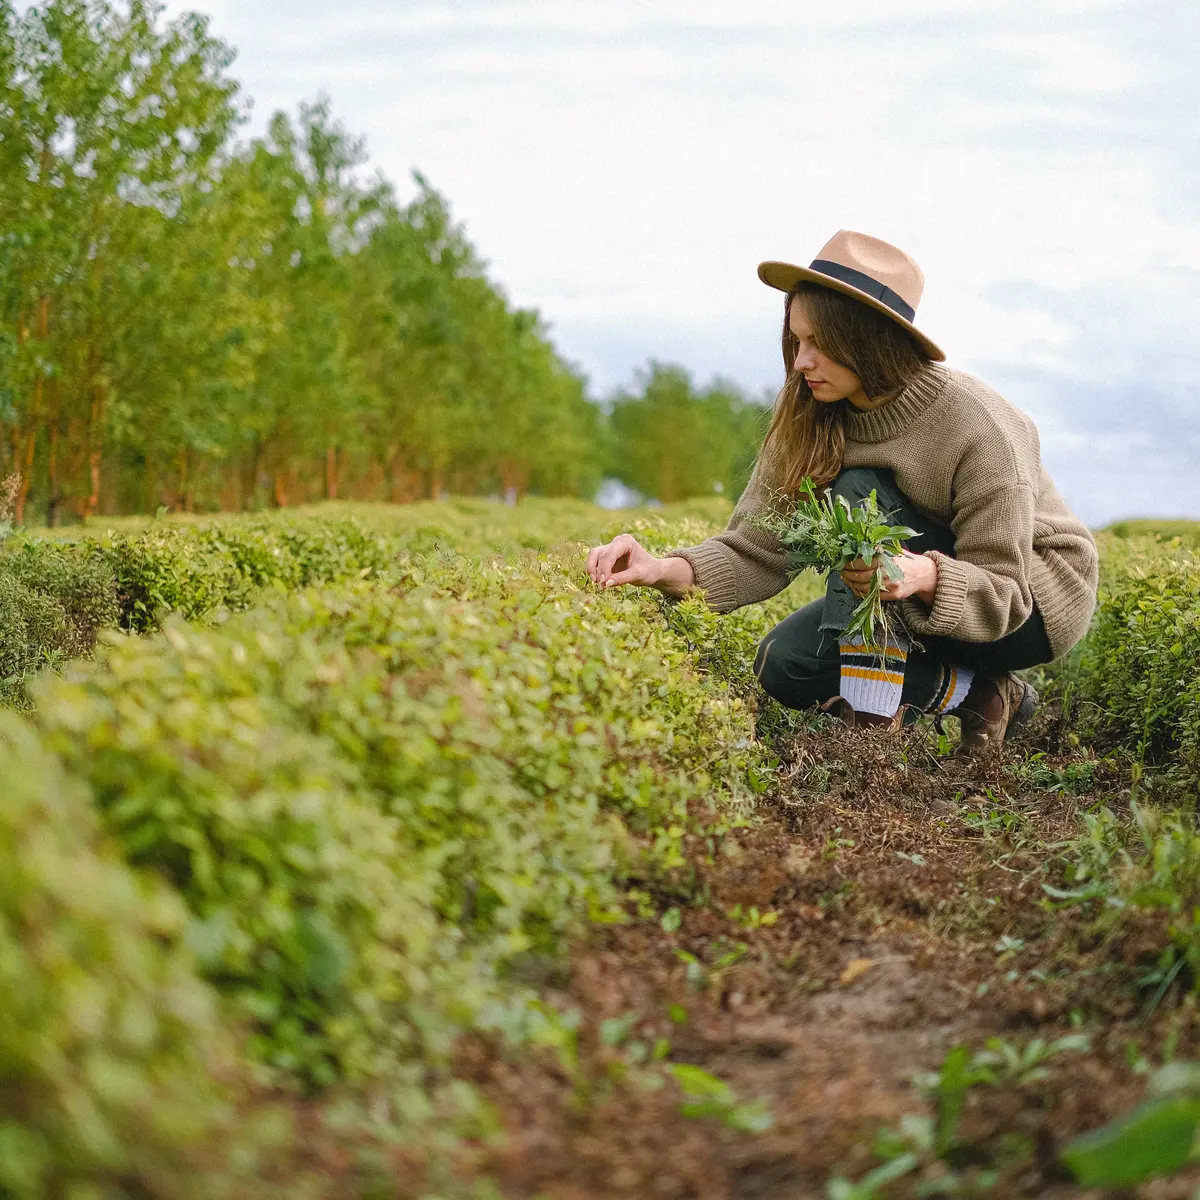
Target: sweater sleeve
{"type": "Point", "coordinates": [983, 592]}
{"type": "Point", "coordinates": [745, 564]}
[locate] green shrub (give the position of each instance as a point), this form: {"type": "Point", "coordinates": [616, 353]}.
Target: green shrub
{"type": "Point", "coordinates": [306, 908]}
{"type": "Point", "coordinates": [53, 600]}
{"type": "Point", "coordinates": [55, 596]}
{"type": "Point", "coordinates": [77, 579]}
{"type": "Point", "coordinates": [107, 1037]}
{"type": "Point", "coordinates": [32, 626]}
{"type": "Point", "coordinates": [374, 799]}
{"type": "Point", "coordinates": [1147, 869]}
{"type": "Point", "coordinates": [195, 570]}
{"type": "Point", "coordinates": [1136, 682]}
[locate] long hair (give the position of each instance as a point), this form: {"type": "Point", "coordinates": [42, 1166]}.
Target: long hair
{"type": "Point", "coordinates": [807, 436]}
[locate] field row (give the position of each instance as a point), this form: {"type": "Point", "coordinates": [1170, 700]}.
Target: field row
{"type": "Point", "coordinates": [339, 789]}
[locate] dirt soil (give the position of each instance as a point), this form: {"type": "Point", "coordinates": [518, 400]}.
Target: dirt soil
{"type": "Point", "coordinates": [907, 917]}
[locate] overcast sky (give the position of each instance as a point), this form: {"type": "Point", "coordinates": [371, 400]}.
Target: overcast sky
{"type": "Point", "coordinates": [624, 166]}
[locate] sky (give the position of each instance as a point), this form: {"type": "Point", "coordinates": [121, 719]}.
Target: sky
{"type": "Point", "coordinates": [623, 166]}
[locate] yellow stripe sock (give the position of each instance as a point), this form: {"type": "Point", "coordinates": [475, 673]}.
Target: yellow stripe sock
{"type": "Point", "coordinates": [872, 681]}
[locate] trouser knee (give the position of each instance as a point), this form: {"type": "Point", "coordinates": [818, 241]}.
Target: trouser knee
{"type": "Point", "coordinates": [796, 680]}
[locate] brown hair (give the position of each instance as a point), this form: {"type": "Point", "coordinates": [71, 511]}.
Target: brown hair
{"type": "Point", "coordinates": [807, 438]}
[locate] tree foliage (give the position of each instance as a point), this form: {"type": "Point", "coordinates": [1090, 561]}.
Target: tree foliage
{"type": "Point", "coordinates": [672, 439]}
{"type": "Point", "coordinates": [192, 320]}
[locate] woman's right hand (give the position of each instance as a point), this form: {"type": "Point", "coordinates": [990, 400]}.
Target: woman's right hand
{"type": "Point", "coordinates": [624, 560]}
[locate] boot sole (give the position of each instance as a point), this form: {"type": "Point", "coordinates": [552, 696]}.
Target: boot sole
{"type": "Point", "coordinates": [1025, 710]}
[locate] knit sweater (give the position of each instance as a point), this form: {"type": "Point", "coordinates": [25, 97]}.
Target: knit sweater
{"type": "Point", "coordinates": [969, 459]}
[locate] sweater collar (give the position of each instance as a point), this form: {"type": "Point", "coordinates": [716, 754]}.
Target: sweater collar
{"type": "Point", "coordinates": [893, 418]}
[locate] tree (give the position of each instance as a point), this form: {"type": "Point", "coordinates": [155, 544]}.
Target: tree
{"type": "Point", "coordinates": [672, 441]}
{"type": "Point", "coordinates": [105, 120]}
{"type": "Point", "coordinates": [192, 321]}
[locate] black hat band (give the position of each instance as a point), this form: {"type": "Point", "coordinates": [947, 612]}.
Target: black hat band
{"type": "Point", "coordinates": [864, 283]}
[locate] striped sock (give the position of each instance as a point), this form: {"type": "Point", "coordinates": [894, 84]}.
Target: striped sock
{"type": "Point", "coordinates": [872, 681]}
{"type": "Point", "coordinates": [956, 683]}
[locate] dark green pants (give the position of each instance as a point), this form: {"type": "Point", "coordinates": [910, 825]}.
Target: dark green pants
{"type": "Point", "coordinates": [797, 662]}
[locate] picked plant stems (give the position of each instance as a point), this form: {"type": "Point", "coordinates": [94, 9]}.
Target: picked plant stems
{"type": "Point", "coordinates": [824, 532]}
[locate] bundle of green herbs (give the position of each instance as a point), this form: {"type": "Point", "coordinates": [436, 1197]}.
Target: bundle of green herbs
{"type": "Point", "coordinates": [824, 532]}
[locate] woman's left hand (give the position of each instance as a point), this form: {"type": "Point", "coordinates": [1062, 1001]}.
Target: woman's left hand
{"type": "Point", "coordinates": [919, 577]}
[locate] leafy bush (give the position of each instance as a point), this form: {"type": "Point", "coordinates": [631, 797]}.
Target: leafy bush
{"type": "Point", "coordinates": [195, 570]}
{"type": "Point", "coordinates": [1137, 679]}
{"type": "Point", "coordinates": [375, 799]}
{"type": "Point", "coordinates": [57, 593]}
{"type": "Point", "coordinates": [53, 601]}
{"type": "Point", "coordinates": [81, 583]}
{"type": "Point", "coordinates": [107, 1037]}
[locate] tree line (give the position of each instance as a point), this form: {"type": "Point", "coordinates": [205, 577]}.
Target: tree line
{"type": "Point", "coordinates": [194, 320]}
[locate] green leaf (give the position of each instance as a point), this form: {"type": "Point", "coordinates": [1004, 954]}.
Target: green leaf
{"type": "Point", "coordinates": [1155, 1139]}
{"type": "Point", "coordinates": [697, 1082]}
{"type": "Point", "coordinates": [327, 956]}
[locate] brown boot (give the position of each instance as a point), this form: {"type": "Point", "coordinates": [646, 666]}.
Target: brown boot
{"type": "Point", "coordinates": [993, 708]}
{"type": "Point", "coordinates": [841, 708]}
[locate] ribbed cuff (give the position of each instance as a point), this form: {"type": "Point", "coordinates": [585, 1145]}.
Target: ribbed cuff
{"type": "Point", "coordinates": [714, 574]}
{"type": "Point", "coordinates": [950, 596]}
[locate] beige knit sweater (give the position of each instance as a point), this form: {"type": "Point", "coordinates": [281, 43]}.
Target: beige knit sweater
{"type": "Point", "coordinates": [965, 457]}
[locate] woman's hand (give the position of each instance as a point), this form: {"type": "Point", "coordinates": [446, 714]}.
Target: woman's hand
{"type": "Point", "coordinates": [623, 560]}
{"type": "Point", "coordinates": [919, 578]}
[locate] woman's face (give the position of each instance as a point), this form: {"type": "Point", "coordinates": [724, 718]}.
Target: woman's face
{"type": "Point", "coordinates": [829, 380]}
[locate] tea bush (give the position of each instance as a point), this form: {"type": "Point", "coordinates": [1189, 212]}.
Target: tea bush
{"type": "Point", "coordinates": [1136, 679]}
{"type": "Point", "coordinates": [193, 571]}
{"type": "Point", "coordinates": [377, 799]}
{"type": "Point", "coordinates": [57, 592]}
{"type": "Point", "coordinates": [1144, 868]}
{"type": "Point", "coordinates": [52, 602]}
{"type": "Point", "coordinates": [108, 1039]}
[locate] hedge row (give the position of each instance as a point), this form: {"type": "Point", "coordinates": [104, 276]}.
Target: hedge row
{"type": "Point", "coordinates": [1134, 683]}
{"type": "Point", "coordinates": [108, 1042]}
{"type": "Point", "coordinates": [57, 594]}
{"type": "Point", "coordinates": [370, 811]}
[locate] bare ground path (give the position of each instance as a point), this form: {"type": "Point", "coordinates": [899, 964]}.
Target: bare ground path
{"type": "Point", "coordinates": [909, 918]}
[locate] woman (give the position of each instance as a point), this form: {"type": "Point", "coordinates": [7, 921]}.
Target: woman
{"type": "Point", "coordinates": [1003, 576]}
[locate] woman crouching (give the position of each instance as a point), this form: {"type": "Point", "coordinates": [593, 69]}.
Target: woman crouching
{"type": "Point", "coordinates": [1007, 574]}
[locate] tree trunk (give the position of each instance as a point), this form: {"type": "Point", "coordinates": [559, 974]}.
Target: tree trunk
{"type": "Point", "coordinates": [514, 479]}
{"type": "Point", "coordinates": [24, 448]}
{"type": "Point", "coordinates": [95, 448]}
{"type": "Point", "coordinates": [331, 473]}
{"type": "Point", "coordinates": [250, 481]}
{"type": "Point", "coordinates": [55, 498]}
{"type": "Point", "coordinates": [184, 492]}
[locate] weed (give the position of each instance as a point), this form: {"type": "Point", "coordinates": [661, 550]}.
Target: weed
{"type": "Point", "coordinates": [707, 1096]}
{"type": "Point", "coordinates": [828, 535]}
{"type": "Point", "coordinates": [1157, 1138]}
{"type": "Point", "coordinates": [931, 1145]}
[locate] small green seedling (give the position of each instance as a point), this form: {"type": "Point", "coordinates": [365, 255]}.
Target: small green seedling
{"type": "Point", "coordinates": [707, 1096]}
{"type": "Point", "coordinates": [1157, 1138]}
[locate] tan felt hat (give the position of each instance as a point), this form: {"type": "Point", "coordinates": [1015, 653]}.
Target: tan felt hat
{"type": "Point", "coordinates": [861, 266]}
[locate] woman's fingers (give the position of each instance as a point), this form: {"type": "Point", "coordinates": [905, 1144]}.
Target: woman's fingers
{"type": "Point", "coordinates": [609, 555]}
{"type": "Point", "coordinates": [635, 574]}
{"type": "Point", "coordinates": [602, 561]}
{"type": "Point", "coordinates": [622, 561]}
